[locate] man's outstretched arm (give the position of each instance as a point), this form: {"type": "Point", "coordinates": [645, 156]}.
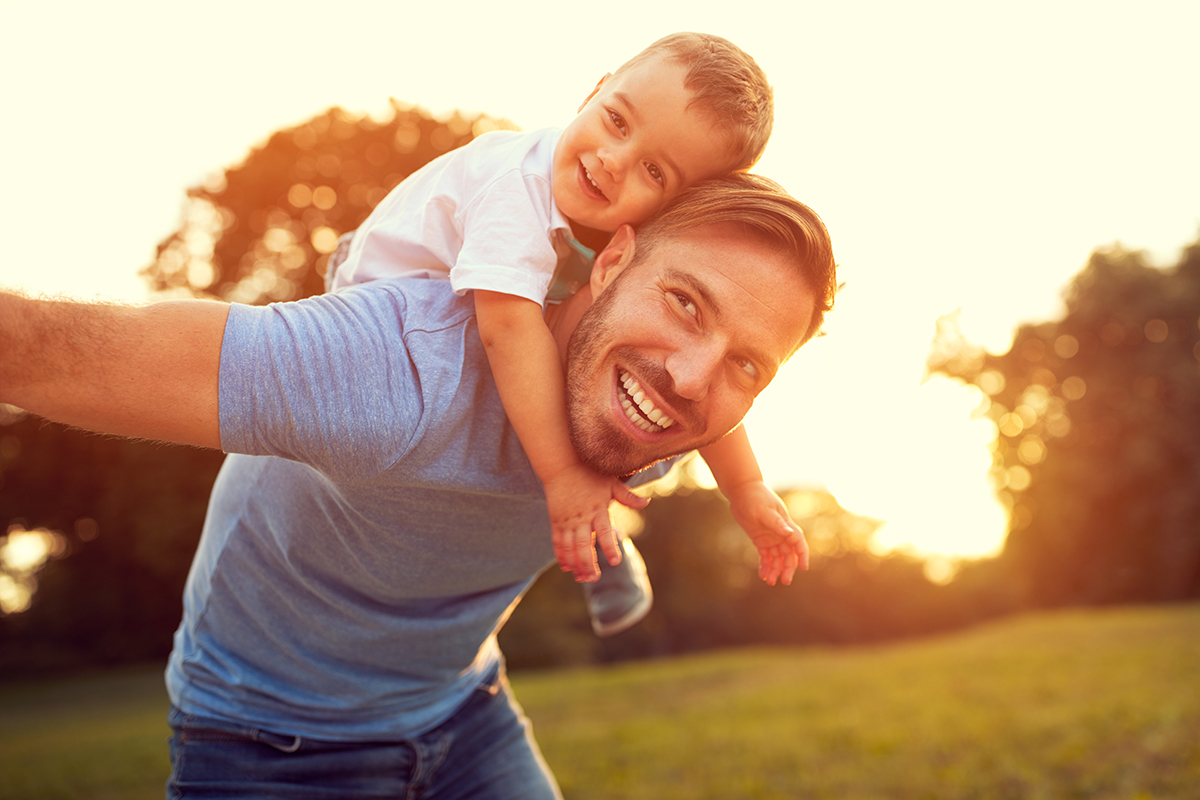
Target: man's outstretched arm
{"type": "Point", "coordinates": [142, 371]}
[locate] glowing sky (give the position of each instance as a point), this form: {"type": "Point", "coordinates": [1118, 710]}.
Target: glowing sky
{"type": "Point", "coordinates": [963, 155]}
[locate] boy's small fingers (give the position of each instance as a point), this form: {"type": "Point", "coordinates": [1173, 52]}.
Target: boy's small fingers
{"type": "Point", "coordinates": [626, 496]}
{"type": "Point", "coordinates": [608, 538]}
{"type": "Point", "coordinates": [791, 561]}
{"type": "Point", "coordinates": [560, 552]}
{"type": "Point", "coordinates": [773, 572]}
{"type": "Point", "coordinates": [585, 556]}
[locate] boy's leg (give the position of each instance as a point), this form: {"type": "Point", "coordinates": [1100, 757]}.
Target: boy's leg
{"type": "Point", "coordinates": [621, 597]}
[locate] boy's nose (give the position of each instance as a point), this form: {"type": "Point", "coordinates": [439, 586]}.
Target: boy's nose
{"type": "Point", "coordinates": [615, 160]}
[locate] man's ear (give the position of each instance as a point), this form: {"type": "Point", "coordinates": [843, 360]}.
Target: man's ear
{"type": "Point", "coordinates": [613, 259]}
{"type": "Point", "coordinates": [595, 89]}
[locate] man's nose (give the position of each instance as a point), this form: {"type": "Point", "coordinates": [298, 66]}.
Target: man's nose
{"type": "Point", "coordinates": [694, 369]}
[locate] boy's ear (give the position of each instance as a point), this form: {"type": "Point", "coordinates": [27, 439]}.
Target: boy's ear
{"type": "Point", "coordinates": [595, 89]}
{"type": "Point", "coordinates": [613, 259]}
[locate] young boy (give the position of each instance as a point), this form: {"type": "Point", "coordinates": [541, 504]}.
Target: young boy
{"type": "Point", "coordinates": [516, 219]}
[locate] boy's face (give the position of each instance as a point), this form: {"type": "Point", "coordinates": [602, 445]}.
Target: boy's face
{"type": "Point", "coordinates": [634, 145]}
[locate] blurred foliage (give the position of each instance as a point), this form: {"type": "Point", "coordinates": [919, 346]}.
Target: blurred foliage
{"type": "Point", "coordinates": [127, 514]}
{"type": "Point", "coordinates": [263, 230]}
{"type": "Point", "coordinates": [707, 594]}
{"type": "Point", "coordinates": [1098, 448]}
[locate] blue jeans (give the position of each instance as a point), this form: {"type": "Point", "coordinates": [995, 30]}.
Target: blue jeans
{"type": "Point", "coordinates": [485, 751]}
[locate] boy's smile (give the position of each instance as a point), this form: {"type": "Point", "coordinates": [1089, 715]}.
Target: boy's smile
{"type": "Point", "coordinates": [635, 144]}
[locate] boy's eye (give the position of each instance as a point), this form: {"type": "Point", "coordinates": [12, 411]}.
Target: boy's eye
{"type": "Point", "coordinates": [656, 173]}
{"type": "Point", "coordinates": [617, 120]}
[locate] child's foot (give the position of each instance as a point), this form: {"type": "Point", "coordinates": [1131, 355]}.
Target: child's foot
{"type": "Point", "coordinates": [622, 597]}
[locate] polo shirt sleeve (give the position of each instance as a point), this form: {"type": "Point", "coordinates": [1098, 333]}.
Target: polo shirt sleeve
{"type": "Point", "coordinates": [506, 238]}
{"type": "Point", "coordinates": [324, 381]}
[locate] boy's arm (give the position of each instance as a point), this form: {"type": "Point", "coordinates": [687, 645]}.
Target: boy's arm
{"type": "Point", "coordinates": [525, 363]}
{"type": "Point", "coordinates": [731, 460]}
{"type": "Point", "coordinates": [141, 371]}
{"type": "Point", "coordinates": [757, 509]}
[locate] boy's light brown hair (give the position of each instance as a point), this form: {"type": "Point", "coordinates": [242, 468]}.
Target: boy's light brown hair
{"type": "Point", "coordinates": [727, 82]}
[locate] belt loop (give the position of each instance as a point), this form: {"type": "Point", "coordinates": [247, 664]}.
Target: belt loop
{"type": "Point", "coordinates": [269, 738]}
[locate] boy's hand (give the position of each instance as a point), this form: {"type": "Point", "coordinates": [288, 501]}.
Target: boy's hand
{"type": "Point", "coordinates": [578, 501]}
{"type": "Point", "coordinates": [764, 517]}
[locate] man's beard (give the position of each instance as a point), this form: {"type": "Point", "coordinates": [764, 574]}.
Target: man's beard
{"type": "Point", "coordinates": [600, 444]}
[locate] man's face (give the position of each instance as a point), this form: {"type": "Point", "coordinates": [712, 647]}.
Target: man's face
{"type": "Point", "coordinates": [674, 350]}
{"type": "Point", "coordinates": [634, 144]}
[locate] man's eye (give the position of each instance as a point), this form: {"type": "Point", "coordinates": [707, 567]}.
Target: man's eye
{"type": "Point", "coordinates": [656, 173]}
{"type": "Point", "coordinates": [748, 367]}
{"type": "Point", "coordinates": [617, 120]}
{"type": "Point", "coordinates": [686, 303]}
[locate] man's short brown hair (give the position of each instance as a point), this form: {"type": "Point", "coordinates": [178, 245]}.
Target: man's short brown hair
{"type": "Point", "coordinates": [759, 208]}
{"type": "Point", "coordinates": [725, 81]}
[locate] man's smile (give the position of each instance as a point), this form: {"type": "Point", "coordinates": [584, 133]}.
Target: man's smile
{"type": "Point", "coordinates": [641, 409]}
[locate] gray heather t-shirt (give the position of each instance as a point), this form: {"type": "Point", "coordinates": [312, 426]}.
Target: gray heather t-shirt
{"type": "Point", "coordinates": [376, 529]}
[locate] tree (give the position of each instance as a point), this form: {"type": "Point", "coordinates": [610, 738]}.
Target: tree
{"type": "Point", "coordinates": [125, 516]}
{"type": "Point", "coordinates": [263, 230]}
{"type": "Point", "coordinates": [1098, 448]}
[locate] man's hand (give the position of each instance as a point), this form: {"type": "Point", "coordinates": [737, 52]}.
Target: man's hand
{"type": "Point", "coordinates": [578, 500]}
{"type": "Point", "coordinates": [764, 517]}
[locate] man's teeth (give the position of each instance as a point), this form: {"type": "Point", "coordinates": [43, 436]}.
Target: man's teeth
{"type": "Point", "coordinates": [640, 408]}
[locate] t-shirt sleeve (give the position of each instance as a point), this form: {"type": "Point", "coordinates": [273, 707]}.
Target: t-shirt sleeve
{"type": "Point", "coordinates": [506, 239]}
{"type": "Point", "coordinates": [323, 381]}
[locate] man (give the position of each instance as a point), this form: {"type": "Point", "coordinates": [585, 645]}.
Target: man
{"type": "Point", "coordinates": [381, 521]}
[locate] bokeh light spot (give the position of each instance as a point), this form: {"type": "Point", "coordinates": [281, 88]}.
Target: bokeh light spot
{"type": "Point", "coordinates": [1018, 478]}
{"type": "Point", "coordinates": [1074, 387]}
{"type": "Point", "coordinates": [324, 240]}
{"type": "Point", "coordinates": [441, 139]}
{"type": "Point", "coordinates": [87, 529]}
{"type": "Point", "coordinates": [1011, 425]}
{"type": "Point", "coordinates": [407, 137]}
{"type": "Point", "coordinates": [992, 382]}
{"type": "Point", "coordinates": [22, 553]}
{"type": "Point", "coordinates": [324, 197]}
{"type": "Point", "coordinates": [300, 195]}
{"type": "Point", "coordinates": [278, 239]}
{"type": "Point", "coordinates": [1066, 346]}
{"type": "Point", "coordinates": [305, 138]}
{"type": "Point", "coordinates": [1156, 331]}
{"type": "Point", "coordinates": [1032, 450]}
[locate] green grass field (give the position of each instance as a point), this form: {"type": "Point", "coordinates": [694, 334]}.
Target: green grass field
{"type": "Point", "coordinates": [1080, 704]}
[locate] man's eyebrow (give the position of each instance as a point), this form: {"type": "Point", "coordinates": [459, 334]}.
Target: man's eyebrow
{"type": "Point", "coordinates": [696, 287]}
{"type": "Point", "coordinates": [631, 111]}
{"type": "Point", "coordinates": [712, 307]}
